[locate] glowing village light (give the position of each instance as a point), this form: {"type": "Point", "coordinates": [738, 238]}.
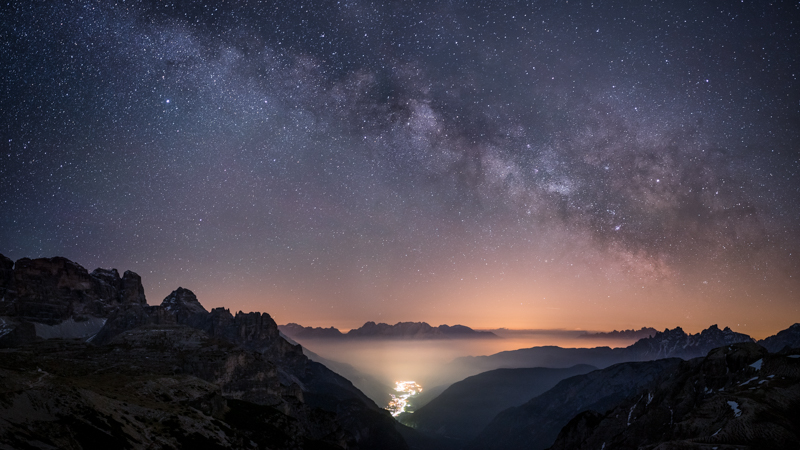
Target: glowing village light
{"type": "Point", "coordinates": [406, 390]}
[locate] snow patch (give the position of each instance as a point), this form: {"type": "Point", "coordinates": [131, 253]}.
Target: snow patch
{"type": "Point", "coordinates": [735, 407]}
{"type": "Point", "coordinates": [757, 365]}
{"type": "Point", "coordinates": [751, 379]}
{"type": "Point", "coordinates": [794, 356]}
{"type": "Point", "coordinates": [70, 329]}
{"type": "Point", "coordinates": [716, 433]}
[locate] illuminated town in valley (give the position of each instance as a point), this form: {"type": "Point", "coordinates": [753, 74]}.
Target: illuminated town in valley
{"type": "Point", "coordinates": [406, 390]}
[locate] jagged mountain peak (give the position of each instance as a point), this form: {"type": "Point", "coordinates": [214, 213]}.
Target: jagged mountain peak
{"type": "Point", "coordinates": [183, 299]}
{"type": "Point", "coordinates": [56, 294]}
{"type": "Point", "coordinates": [678, 343]}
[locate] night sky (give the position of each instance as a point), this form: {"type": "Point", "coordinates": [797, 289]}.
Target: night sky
{"type": "Point", "coordinates": [520, 164]}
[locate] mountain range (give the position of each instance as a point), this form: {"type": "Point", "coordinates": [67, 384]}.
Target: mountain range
{"type": "Point", "coordinates": [85, 363]}
{"type": "Point", "coordinates": [400, 330]}
{"type": "Point", "coordinates": [737, 397]}
{"type": "Point", "coordinates": [168, 376]}
{"type": "Point", "coordinates": [674, 343]}
{"type": "Point", "coordinates": [644, 332]}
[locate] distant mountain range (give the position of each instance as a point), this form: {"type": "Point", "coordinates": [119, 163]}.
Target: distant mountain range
{"type": "Point", "coordinates": [645, 332]}
{"type": "Point", "coordinates": [400, 330]}
{"type": "Point", "coordinates": [674, 343]}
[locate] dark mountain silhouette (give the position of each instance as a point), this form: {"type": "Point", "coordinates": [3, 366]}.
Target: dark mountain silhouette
{"type": "Point", "coordinates": [167, 376]}
{"type": "Point", "coordinates": [369, 385]}
{"type": "Point", "coordinates": [788, 338]}
{"type": "Point", "coordinates": [535, 424]}
{"type": "Point", "coordinates": [739, 396]}
{"type": "Point", "coordinates": [466, 407]}
{"type": "Point", "coordinates": [645, 332]}
{"type": "Point", "coordinates": [674, 343]}
{"type": "Point", "coordinates": [400, 330]}
{"type": "Point", "coordinates": [602, 399]}
{"type": "Point", "coordinates": [296, 331]}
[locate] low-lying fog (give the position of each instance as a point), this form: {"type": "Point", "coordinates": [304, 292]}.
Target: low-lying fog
{"type": "Point", "coordinates": [425, 361]}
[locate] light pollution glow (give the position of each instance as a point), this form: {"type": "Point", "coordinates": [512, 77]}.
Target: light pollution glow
{"type": "Point", "coordinates": [492, 164]}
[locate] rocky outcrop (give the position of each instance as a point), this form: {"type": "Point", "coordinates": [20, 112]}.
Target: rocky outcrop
{"type": "Point", "coordinates": [6, 276]}
{"type": "Point", "coordinates": [786, 339]}
{"type": "Point", "coordinates": [738, 396]}
{"type": "Point", "coordinates": [49, 291]}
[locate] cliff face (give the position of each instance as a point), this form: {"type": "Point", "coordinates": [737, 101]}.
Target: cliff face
{"type": "Point", "coordinates": [51, 290]}
{"type": "Point", "coordinates": [54, 296]}
{"type": "Point", "coordinates": [243, 372]}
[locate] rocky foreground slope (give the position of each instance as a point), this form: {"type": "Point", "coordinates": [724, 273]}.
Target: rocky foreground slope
{"type": "Point", "coordinates": [738, 397]}
{"type": "Point", "coordinates": [167, 376]}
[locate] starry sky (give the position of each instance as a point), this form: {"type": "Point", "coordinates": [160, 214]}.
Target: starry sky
{"type": "Point", "coordinates": [521, 164]}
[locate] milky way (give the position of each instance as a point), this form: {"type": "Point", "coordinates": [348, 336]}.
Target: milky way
{"type": "Point", "coordinates": [495, 163]}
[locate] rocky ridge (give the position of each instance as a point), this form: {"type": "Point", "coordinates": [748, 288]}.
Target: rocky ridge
{"type": "Point", "coordinates": [239, 361]}
{"type": "Point", "coordinates": [644, 332]}
{"type": "Point", "coordinates": [783, 340]}
{"type": "Point", "coordinates": [738, 396]}
{"type": "Point", "coordinates": [400, 330]}
{"type": "Point", "coordinates": [677, 343]}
